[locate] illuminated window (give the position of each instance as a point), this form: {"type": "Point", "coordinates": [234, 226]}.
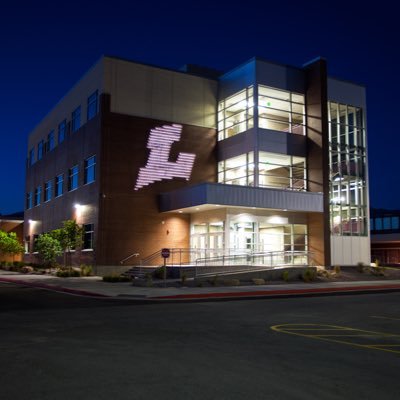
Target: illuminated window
{"type": "Point", "coordinates": [58, 189]}
{"type": "Point", "coordinates": [347, 160]}
{"type": "Point", "coordinates": [281, 110]}
{"type": "Point", "coordinates": [237, 170]}
{"type": "Point", "coordinates": [73, 178]}
{"type": "Point", "coordinates": [92, 105]}
{"type": "Point", "coordinates": [235, 114]}
{"type": "Point", "coordinates": [90, 170]}
{"type": "Point", "coordinates": [76, 119]}
{"type": "Point", "coordinates": [282, 171]}
{"type": "Point", "coordinates": [62, 131]}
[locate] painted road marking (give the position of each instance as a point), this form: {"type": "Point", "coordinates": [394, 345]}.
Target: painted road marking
{"type": "Point", "coordinates": [388, 342]}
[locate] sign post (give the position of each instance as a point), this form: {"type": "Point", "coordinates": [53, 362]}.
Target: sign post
{"type": "Point", "coordinates": [165, 253]}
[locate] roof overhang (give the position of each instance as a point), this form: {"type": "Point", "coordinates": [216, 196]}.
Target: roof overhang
{"type": "Point", "coordinates": [240, 196]}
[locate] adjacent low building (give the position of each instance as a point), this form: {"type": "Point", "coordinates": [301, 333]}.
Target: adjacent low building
{"type": "Point", "coordinates": [264, 158]}
{"type": "Point", "coordinates": [385, 236]}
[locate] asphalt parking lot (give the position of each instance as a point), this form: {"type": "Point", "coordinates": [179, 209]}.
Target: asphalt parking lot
{"type": "Point", "coordinates": [55, 346]}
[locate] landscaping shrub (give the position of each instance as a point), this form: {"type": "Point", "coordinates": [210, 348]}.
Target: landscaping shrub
{"type": "Point", "coordinates": [258, 281]}
{"type": "Point", "coordinates": [231, 282]}
{"type": "Point", "coordinates": [65, 273]}
{"type": "Point", "coordinates": [309, 275]}
{"type": "Point", "coordinates": [115, 278]}
{"type": "Point", "coordinates": [337, 269]}
{"type": "Point", "coordinates": [360, 267]}
{"type": "Point", "coordinates": [86, 270]}
{"type": "Point", "coordinates": [285, 276]}
{"type": "Point", "coordinates": [159, 273]}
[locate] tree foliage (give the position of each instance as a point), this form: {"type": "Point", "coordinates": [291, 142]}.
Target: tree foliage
{"type": "Point", "coordinates": [9, 244]}
{"type": "Point", "coordinates": [49, 248]}
{"type": "Point", "coordinates": [69, 236]}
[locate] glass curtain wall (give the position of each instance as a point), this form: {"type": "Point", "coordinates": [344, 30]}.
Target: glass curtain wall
{"type": "Point", "coordinates": [282, 171]}
{"type": "Point", "coordinates": [347, 156]}
{"type": "Point", "coordinates": [237, 170]}
{"type": "Point", "coordinates": [275, 171]}
{"type": "Point", "coordinates": [235, 114]}
{"type": "Point", "coordinates": [280, 110]}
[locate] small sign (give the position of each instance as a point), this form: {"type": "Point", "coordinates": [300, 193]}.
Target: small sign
{"type": "Point", "coordinates": [165, 253]}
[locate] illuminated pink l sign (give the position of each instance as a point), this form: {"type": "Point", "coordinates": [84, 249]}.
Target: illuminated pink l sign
{"type": "Point", "coordinates": [158, 167]}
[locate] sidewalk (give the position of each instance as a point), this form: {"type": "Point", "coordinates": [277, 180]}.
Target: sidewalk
{"type": "Point", "coordinates": [95, 287]}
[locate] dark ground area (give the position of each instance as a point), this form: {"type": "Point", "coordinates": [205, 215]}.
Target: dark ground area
{"type": "Point", "coordinates": [61, 347]}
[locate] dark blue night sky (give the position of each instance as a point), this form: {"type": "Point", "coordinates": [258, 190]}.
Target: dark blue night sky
{"type": "Point", "coordinates": [46, 47]}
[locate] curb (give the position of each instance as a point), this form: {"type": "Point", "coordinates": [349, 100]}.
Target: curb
{"type": "Point", "coordinates": [283, 293]}
{"type": "Point", "coordinates": [258, 294]}
{"type": "Point", "coordinates": [54, 288]}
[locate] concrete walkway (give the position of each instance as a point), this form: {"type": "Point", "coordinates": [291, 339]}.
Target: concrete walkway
{"type": "Point", "coordinates": [94, 286]}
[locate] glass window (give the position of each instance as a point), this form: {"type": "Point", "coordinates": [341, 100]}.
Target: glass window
{"type": "Point", "coordinates": [47, 190]}
{"type": "Point", "coordinates": [40, 150]}
{"type": "Point", "coordinates": [386, 223]}
{"type": "Point", "coordinates": [27, 243]}
{"type": "Point", "coordinates": [76, 119]}
{"type": "Point", "coordinates": [62, 131]}
{"type": "Point", "coordinates": [92, 105]}
{"type": "Point", "coordinates": [31, 159]}
{"type": "Point", "coordinates": [237, 170]}
{"type": "Point", "coordinates": [73, 178]}
{"type": "Point", "coordinates": [88, 236]}
{"type": "Point", "coordinates": [59, 185]}
{"type": "Point", "coordinates": [395, 222]}
{"type": "Point", "coordinates": [282, 171]}
{"type": "Point", "coordinates": [90, 170]}
{"type": "Point", "coordinates": [281, 110]}
{"type": "Point", "coordinates": [347, 167]}
{"type": "Point", "coordinates": [378, 224]}
{"type": "Point", "coordinates": [34, 242]}
{"type": "Point", "coordinates": [235, 114]}
{"type": "Point", "coordinates": [29, 200]}
{"type": "Point", "coordinates": [38, 195]}
{"type": "Point", "coordinates": [50, 141]}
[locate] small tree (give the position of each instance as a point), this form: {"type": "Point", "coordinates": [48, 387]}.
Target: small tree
{"type": "Point", "coordinates": [49, 248]}
{"type": "Point", "coordinates": [9, 244]}
{"type": "Point", "coordinates": [69, 236]}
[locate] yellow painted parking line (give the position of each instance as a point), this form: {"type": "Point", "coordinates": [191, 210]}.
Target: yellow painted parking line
{"type": "Point", "coordinates": [344, 335]}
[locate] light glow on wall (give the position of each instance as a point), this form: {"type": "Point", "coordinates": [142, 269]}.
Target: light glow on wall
{"type": "Point", "coordinates": [158, 167]}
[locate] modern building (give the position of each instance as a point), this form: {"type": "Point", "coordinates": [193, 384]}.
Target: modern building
{"type": "Point", "coordinates": [264, 158]}
{"type": "Point", "coordinates": [385, 236]}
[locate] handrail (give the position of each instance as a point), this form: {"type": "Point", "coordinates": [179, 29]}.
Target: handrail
{"type": "Point", "coordinates": [127, 258]}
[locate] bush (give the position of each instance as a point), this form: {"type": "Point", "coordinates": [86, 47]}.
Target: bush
{"type": "Point", "coordinates": [86, 270]}
{"type": "Point", "coordinates": [285, 276]}
{"type": "Point", "coordinates": [213, 281]}
{"type": "Point", "coordinates": [377, 271]}
{"type": "Point", "coordinates": [337, 269]}
{"type": "Point", "coordinates": [309, 275]}
{"type": "Point", "coordinates": [26, 269]}
{"type": "Point", "coordinates": [258, 281]}
{"type": "Point", "coordinates": [149, 279]}
{"type": "Point", "coordinates": [159, 273]}
{"type": "Point", "coordinates": [65, 273]}
{"type": "Point", "coordinates": [115, 278]}
{"type": "Point", "coordinates": [360, 267]}
{"type": "Point", "coordinates": [183, 278]}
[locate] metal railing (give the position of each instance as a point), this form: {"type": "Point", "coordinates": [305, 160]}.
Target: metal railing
{"type": "Point", "coordinates": [252, 260]}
